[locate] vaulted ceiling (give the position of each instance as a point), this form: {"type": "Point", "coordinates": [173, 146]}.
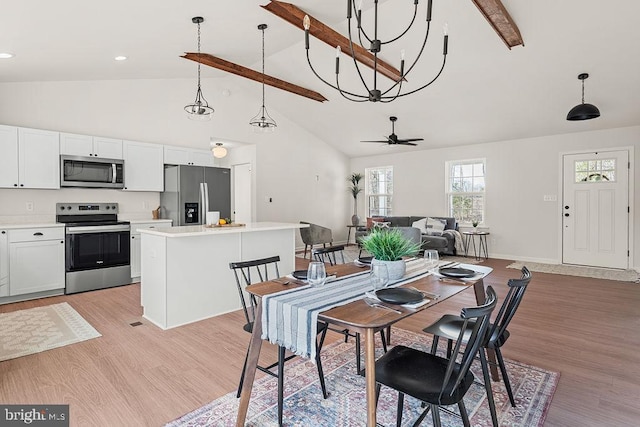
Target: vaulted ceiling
{"type": "Point", "coordinates": [486, 92]}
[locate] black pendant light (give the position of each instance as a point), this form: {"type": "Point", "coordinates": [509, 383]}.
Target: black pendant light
{"type": "Point", "coordinates": [583, 111]}
{"type": "Point", "coordinates": [262, 122]}
{"type": "Point", "coordinates": [200, 109]}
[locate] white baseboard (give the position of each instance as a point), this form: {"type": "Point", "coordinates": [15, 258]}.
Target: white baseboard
{"type": "Point", "coordinates": [525, 259]}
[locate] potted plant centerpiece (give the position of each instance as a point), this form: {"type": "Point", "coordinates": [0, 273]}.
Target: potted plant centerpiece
{"type": "Point", "coordinates": [388, 246]}
{"type": "Point", "coordinates": [355, 189]}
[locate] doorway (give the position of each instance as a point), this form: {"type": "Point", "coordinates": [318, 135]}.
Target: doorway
{"type": "Point", "coordinates": [595, 209]}
{"type": "Point", "coordinates": [242, 199]}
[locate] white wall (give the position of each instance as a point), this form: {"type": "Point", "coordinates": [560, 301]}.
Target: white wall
{"type": "Point", "coordinates": [285, 163]}
{"type": "Point", "coordinates": [519, 173]}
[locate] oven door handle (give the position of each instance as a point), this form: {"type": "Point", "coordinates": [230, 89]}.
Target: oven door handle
{"type": "Point", "coordinates": [97, 229]}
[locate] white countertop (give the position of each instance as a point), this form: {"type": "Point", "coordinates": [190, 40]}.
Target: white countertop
{"type": "Point", "coordinates": [140, 221]}
{"type": "Point", "coordinates": [201, 230]}
{"type": "Point", "coordinates": [17, 225]}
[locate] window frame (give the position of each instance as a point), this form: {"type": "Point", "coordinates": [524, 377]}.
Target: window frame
{"type": "Point", "coordinates": [368, 191]}
{"type": "Point", "coordinates": [449, 165]}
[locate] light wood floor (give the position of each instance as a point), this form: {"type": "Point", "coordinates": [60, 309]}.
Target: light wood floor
{"type": "Point", "coordinates": [587, 329]}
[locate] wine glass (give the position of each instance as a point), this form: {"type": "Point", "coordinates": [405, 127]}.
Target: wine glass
{"type": "Point", "coordinates": [316, 273]}
{"type": "Point", "coordinates": [431, 259]}
{"type": "Point", "coordinates": [379, 276]}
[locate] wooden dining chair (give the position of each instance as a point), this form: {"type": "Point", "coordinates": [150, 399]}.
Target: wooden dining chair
{"type": "Point", "coordinates": [450, 326]}
{"type": "Point", "coordinates": [434, 380]}
{"type": "Point", "coordinates": [261, 269]}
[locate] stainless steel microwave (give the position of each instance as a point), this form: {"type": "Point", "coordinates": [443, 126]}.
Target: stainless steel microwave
{"type": "Point", "coordinates": [78, 171]}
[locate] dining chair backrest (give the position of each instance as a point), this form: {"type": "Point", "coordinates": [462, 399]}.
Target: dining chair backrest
{"type": "Point", "coordinates": [330, 254]}
{"type": "Point", "coordinates": [517, 288]}
{"type": "Point", "coordinates": [481, 318]}
{"type": "Point", "coordinates": [315, 234]}
{"type": "Point", "coordinates": [243, 273]}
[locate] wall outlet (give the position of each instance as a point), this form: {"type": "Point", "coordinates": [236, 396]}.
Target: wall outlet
{"type": "Point", "coordinates": [550, 198]}
{"type": "Point", "coordinates": [29, 206]}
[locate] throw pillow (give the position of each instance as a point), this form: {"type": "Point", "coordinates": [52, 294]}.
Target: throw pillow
{"type": "Point", "coordinates": [421, 224]}
{"type": "Point", "coordinates": [381, 224]}
{"type": "Point", "coordinates": [435, 226]}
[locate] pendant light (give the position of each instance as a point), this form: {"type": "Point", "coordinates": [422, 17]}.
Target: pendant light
{"type": "Point", "coordinates": [583, 111]}
{"type": "Point", "coordinates": [200, 109]}
{"type": "Point", "coordinates": [262, 121]}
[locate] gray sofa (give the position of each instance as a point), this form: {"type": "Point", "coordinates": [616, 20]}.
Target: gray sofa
{"type": "Point", "coordinates": [444, 244]}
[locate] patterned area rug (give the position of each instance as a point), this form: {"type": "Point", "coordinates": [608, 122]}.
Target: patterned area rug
{"type": "Point", "coordinates": [576, 270]}
{"type": "Point", "coordinates": [38, 329]}
{"type": "Point", "coordinates": [351, 254]}
{"type": "Point", "coordinates": [533, 389]}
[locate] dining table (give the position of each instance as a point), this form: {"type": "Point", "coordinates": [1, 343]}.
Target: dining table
{"type": "Point", "coordinates": [358, 317]}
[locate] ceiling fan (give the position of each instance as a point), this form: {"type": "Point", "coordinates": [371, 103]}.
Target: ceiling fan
{"type": "Point", "coordinates": [393, 138]}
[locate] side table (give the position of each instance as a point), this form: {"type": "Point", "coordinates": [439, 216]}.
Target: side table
{"type": "Point", "coordinates": [480, 251]}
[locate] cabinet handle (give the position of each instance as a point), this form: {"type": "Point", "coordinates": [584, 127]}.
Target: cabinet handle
{"type": "Point", "coordinates": [133, 237]}
{"type": "Point", "coordinates": [61, 241]}
{"type": "Point", "coordinates": [21, 185]}
{"type": "Point", "coordinates": [4, 232]}
{"type": "Point", "coordinates": [38, 234]}
{"type": "Point", "coordinates": [15, 185]}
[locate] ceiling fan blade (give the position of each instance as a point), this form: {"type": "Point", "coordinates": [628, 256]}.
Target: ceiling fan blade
{"type": "Point", "coordinates": [411, 139]}
{"type": "Point", "coordinates": [406, 143]}
{"type": "Point", "coordinates": [381, 142]}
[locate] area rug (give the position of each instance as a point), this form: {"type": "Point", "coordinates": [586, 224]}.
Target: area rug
{"type": "Point", "coordinates": [533, 389]}
{"type": "Point", "coordinates": [576, 270]}
{"type": "Point", "coordinates": [351, 254]}
{"type": "Point", "coordinates": [38, 329]}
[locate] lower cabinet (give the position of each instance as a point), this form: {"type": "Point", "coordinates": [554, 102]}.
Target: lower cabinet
{"type": "Point", "coordinates": [4, 263]}
{"type": "Point", "coordinates": [36, 260]}
{"type": "Point", "coordinates": [136, 247]}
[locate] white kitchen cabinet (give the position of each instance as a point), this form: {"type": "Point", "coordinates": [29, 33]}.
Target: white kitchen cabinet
{"type": "Point", "coordinates": [90, 146]}
{"type": "Point", "coordinates": [36, 260]}
{"type": "Point", "coordinates": [4, 263]}
{"type": "Point", "coordinates": [29, 158]}
{"type": "Point", "coordinates": [8, 156]}
{"type": "Point", "coordinates": [143, 166]}
{"type": "Point", "coordinates": [187, 156]}
{"type": "Point", "coordinates": [136, 246]}
{"type": "Point", "coordinates": [38, 158]}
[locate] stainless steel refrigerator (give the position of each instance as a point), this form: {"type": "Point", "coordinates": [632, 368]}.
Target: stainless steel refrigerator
{"type": "Point", "coordinates": [191, 191]}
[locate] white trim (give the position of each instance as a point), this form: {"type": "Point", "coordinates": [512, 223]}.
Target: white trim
{"type": "Point", "coordinates": [631, 198]}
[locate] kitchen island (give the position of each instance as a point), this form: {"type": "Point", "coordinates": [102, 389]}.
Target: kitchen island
{"type": "Point", "coordinates": [185, 270]}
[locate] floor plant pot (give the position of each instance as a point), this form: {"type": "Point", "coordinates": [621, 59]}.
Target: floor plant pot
{"type": "Point", "coordinates": [355, 220]}
{"type": "Point", "coordinates": [396, 269]}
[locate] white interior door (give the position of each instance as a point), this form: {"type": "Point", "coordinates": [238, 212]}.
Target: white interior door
{"type": "Point", "coordinates": [595, 209]}
{"type": "Point", "coordinates": [242, 193]}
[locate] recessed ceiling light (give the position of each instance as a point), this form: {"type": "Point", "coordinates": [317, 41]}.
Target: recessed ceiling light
{"type": "Point", "coordinates": [6, 55]}
{"type": "Point", "coordinates": [120, 58]}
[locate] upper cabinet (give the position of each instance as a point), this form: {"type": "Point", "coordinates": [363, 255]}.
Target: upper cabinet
{"type": "Point", "coordinates": [29, 158]}
{"type": "Point", "coordinates": [90, 146]}
{"type": "Point", "coordinates": [143, 166]}
{"type": "Point", "coordinates": [187, 156]}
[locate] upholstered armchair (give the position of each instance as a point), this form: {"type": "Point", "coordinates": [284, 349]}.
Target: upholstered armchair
{"type": "Point", "coordinates": [315, 235]}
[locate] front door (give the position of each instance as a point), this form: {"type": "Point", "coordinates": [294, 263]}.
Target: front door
{"type": "Point", "coordinates": [595, 209]}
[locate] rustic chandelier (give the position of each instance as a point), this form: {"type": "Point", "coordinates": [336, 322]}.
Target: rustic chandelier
{"type": "Point", "coordinates": [372, 91]}
{"type": "Point", "coordinates": [262, 121]}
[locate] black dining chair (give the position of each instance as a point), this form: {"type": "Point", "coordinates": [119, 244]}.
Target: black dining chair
{"type": "Point", "coordinates": [329, 254]}
{"type": "Point", "coordinates": [449, 326]}
{"type": "Point", "coordinates": [435, 380]}
{"type": "Point", "coordinates": [261, 267]}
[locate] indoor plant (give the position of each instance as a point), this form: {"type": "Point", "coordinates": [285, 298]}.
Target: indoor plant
{"type": "Point", "coordinates": [355, 189]}
{"type": "Point", "coordinates": [388, 246]}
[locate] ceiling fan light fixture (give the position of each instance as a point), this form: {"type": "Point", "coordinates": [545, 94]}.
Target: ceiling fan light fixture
{"type": "Point", "coordinates": [583, 111]}
{"type": "Point", "coordinates": [200, 109]}
{"type": "Point", "coordinates": [263, 122]}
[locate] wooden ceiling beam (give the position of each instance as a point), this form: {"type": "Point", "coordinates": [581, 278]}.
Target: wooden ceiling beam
{"type": "Point", "coordinates": [498, 17]}
{"type": "Point", "coordinates": [230, 67]}
{"type": "Point", "coordinates": [294, 15]}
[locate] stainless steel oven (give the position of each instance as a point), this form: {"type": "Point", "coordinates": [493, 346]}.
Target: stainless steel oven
{"type": "Point", "coordinates": [97, 246]}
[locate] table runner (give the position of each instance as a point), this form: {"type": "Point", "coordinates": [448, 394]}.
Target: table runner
{"type": "Point", "coordinates": [289, 318]}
